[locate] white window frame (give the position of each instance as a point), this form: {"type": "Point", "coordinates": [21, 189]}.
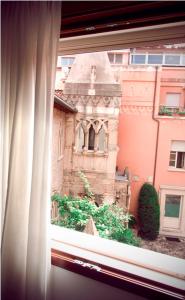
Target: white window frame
{"type": "Point", "coordinates": [114, 58]}
{"type": "Point", "coordinates": [176, 155]}
{"type": "Point", "coordinates": [96, 248]}
{"type": "Point", "coordinates": [157, 54]}
{"type": "Point", "coordinates": [171, 168]}
{"type": "Point", "coordinates": [172, 54]}
{"type": "Point", "coordinates": [178, 191]}
{"type": "Point", "coordinates": [137, 54]}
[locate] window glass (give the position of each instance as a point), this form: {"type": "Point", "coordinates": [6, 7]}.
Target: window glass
{"type": "Point", "coordinates": [172, 159]}
{"type": "Point", "coordinates": [180, 160]}
{"type": "Point", "coordinates": [183, 59]}
{"type": "Point", "coordinates": [172, 206]}
{"type": "Point", "coordinates": [67, 61]}
{"type": "Point", "coordinates": [138, 59]}
{"type": "Point", "coordinates": [155, 59]}
{"type": "Point", "coordinates": [111, 57]}
{"type": "Point", "coordinates": [172, 59]}
{"type": "Point", "coordinates": [118, 58]}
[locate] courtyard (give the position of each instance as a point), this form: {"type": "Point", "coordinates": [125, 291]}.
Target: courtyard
{"type": "Point", "coordinates": [173, 247]}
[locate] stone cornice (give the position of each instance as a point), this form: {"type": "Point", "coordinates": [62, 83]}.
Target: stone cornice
{"type": "Point", "coordinates": [136, 109]}
{"type": "Point", "coordinates": [85, 100]}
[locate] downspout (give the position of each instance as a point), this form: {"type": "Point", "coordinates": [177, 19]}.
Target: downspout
{"type": "Point", "coordinates": [158, 123]}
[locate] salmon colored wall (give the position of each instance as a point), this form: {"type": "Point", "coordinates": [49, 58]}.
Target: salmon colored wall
{"type": "Point", "coordinates": [172, 81]}
{"type": "Point", "coordinates": [136, 150]}
{"type": "Point", "coordinates": [169, 130]}
{"type": "Point", "coordinates": [137, 130]}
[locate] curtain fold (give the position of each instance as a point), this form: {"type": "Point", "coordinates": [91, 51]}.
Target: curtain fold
{"type": "Point", "coordinates": [29, 37]}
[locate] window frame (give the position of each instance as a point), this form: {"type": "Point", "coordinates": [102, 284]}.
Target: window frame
{"type": "Point", "coordinates": [123, 265]}
{"type": "Point", "coordinates": [176, 160]}
{"type": "Point", "coordinates": [86, 149]}
{"type": "Point", "coordinates": [171, 54]}
{"type": "Point", "coordinates": [114, 58]}
{"type": "Point", "coordinates": [131, 38]}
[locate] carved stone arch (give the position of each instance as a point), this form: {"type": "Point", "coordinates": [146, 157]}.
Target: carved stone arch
{"type": "Point", "coordinates": [104, 124]}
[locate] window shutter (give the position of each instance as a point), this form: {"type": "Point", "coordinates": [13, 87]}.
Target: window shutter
{"type": "Point", "coordinates": [178, 146]}
{"type": "Point", "coordinates": [172, 100]}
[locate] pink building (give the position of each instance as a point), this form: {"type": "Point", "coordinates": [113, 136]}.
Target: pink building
{"type": "Point", "coordinates": [151, 134]}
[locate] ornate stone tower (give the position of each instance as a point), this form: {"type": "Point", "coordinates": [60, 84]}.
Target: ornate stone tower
{"type": "Point", "coordinates": [91, 135]}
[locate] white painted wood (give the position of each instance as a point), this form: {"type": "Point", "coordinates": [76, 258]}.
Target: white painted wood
{"type": "Point", "coordinates": [146, 36]}
{"type": "Point", "coordinates": [169, 225]}
{"type": "Point", "coordinates": [152, 265]}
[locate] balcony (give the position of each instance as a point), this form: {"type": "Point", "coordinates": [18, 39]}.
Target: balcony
{"type": "Point", "coordinates": [171, 111]}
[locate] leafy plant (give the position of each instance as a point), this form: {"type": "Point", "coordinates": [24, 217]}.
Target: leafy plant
{"type": "Point", "coordinates": [164, 111]}
{"type": "Point", "coordinates": [87, 187]}
{"type": "Point", "coordinates": [181, 113]}
{"type": "Point", "coordinates": [109, 219]}
{"type": "Point", "coordinates": [148, 212]}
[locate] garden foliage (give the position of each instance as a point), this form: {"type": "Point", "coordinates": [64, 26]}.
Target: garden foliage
{"type": "Point", "coordinates": [109, 219]}
{"type": "Point", "coordinates": [148, 212]}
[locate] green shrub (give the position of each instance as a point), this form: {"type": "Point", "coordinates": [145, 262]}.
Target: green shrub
{"type": "Point", "coordinates": [109, 219]}
{"type": "Point", "coordinates": [181, 113]}
{"type": "Point", "coordinates": [148, 212]}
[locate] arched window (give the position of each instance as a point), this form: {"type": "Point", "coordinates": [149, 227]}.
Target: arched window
{"type": "Point", "coordinates": [91, 140]}
{"type": "Point", "coordinates": [81, 138]}
{"type": "Point", "coordinates": [102, 139]}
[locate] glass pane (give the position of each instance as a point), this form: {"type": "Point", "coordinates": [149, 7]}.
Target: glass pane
{"type": "Point", "coordinates": [118, 59]}
{"type": "Point", "coordinates": [172, 206]}
{"type": "Point", "coordinates": [183, 60]}
{"type": "Point", "coordinates": [172, 155]}
{"type": "Point", "coordinates": [111, 57]}
{"type": "Point", "coordinates": [138, 59]}
{"type": "Point", "coordinates": [155, 59]}
{"type": "Point", "coordinates": [180, 159]}
{"type": "Point", "coordinates": [172, 163]}
{"type": "Point", "coordinates": [172, 59]}
{"type": "Point", "coordinates": [67, 61]}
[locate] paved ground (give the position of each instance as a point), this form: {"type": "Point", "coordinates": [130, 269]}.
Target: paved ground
{"type": "Point", "coordinates": [162, 245]}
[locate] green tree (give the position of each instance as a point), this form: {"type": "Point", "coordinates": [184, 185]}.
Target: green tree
{"type": "Point", "coordinates": [148, 212]}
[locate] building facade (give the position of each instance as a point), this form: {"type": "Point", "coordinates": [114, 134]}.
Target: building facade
{"type": "Point", "coordinates": [151, 133]}
{"type": "Point", "coordinates": [124, 144]}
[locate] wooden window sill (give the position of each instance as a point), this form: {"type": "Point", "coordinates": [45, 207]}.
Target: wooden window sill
{"type": "Point", "coordinates": [135, 273]}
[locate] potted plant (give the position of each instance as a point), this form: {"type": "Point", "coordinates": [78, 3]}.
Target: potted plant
{"type": "Point", "coordinates": [164, 111]}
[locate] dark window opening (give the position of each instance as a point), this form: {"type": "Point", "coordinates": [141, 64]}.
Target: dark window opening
{"type": "Point", "coordinates": [91, 138]}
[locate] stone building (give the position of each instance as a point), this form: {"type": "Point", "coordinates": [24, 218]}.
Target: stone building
{"type": "Point", "coordinates": [90, 143]}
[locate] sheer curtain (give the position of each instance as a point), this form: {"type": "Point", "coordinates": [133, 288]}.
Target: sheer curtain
{"type": "Point", "coordinates": [30, 32]}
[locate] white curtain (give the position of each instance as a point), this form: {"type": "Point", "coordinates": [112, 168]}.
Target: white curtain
{"type": "Point", "coordinates": [30, 32]}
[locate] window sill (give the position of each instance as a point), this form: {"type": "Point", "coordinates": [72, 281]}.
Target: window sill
{"type": "Point", "coordinates": [170, 117]}
{"type": "Point", "coordinates": [91, 153]}
{"type": "Point", "coordinates": [176, 169]}
{"type": "Point", "coordinates": [122, 265]}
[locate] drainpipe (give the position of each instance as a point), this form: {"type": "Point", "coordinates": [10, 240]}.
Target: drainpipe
{"type": "Point", "coordinates": [156, 120]}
